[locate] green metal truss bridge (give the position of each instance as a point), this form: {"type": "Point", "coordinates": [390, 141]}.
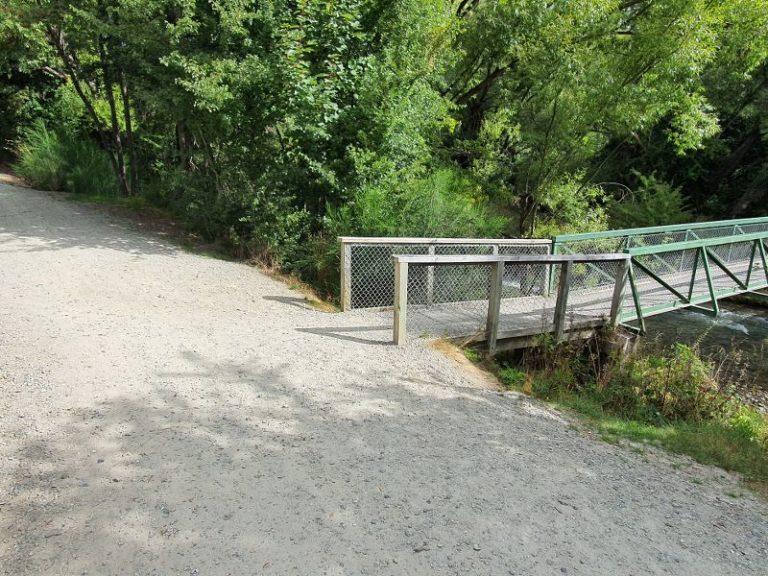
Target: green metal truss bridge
{"type": "Point", "coordinates": [681, 266]}
{"type": "Point", "coordinates": [507, 293]}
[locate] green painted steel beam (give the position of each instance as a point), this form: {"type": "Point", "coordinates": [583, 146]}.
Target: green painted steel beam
{"type": "Point", "coordinates": [659, 229]}
{"type": "Point", "coordinates": [636, 298]}
{"type": "Point", "coordinates": [710, 284]}
{"type": "Point", "coordinates": [693, 244]}
{"type": "Point", "coordinates": [763, 259]}
{"type": "Point", "coordinates": [664, 284]}
{"type": "Point", "coordinates": [724, 267]}
{"type": "Point", "coordinates": [656, 309]}
{"type": "Point", "coordinates": [693, 275]}
{"type": "Point", "coordinates": [751, 265]}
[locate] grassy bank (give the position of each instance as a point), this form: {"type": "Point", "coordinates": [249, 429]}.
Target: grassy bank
{"type": "Point", "coordinates": [671, 398]}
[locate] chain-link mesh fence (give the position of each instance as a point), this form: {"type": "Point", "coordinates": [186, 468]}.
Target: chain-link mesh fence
{"type": "Point", "coordinates": [368, 276]}
{"type": "Point", "coordinates": [459, 302]}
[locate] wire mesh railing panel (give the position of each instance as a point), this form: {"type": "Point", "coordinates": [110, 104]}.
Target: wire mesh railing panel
{"type": "Point", "coordinates": [532, 249]}
{"type": "Point", "coordinates": [459, 303]}
{"type": "Point", "coordinates": [736, 258]}
{"type": "Point", "coordinates": [617, 241]}
{"type": "Point", "coordinates": [448, 301]}
{"type": "Point", "coordinates": [752, 228]}
{"type": "Point", "coordinates": [692, 275]}
{"type": "Point", "coordinates": [591, 289]}
{"type": "Point", "coordinates": [733, 253]}
{"type": "Point", "coordinates": [666, 279]}
{"type": "Point", "coordinates": [592, 246]}
{"type": "Point", "coordinates": [370, 275]}
{"type": "Point", "coordinates": [675, 269]}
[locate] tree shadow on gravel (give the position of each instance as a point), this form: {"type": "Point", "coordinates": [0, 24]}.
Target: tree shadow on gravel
{"type": "Point", "coordinates": [33, 221]}
{"type": "Point", "coordinates": [236, 468]}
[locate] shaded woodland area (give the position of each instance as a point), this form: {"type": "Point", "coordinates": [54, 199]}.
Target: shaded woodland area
{"type": "Point", "coordinates": [274, 126]}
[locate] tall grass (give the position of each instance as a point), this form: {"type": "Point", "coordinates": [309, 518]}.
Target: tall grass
{"type": "Point", "coordinates": [87, 169]}
{"type": "Point", "coordinates": [41, 158]}
{"type": "Point", "coordinates": [54, 160]}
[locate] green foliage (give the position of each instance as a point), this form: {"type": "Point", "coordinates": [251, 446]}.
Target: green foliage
{"type": "Point", "coordinates": [472, 355]}
{"type": "Point", "coordinates": [661, 386]}
{"type": "Point", "coordinates": [678, 386]}
{"type": "Point", "coordinates": [512, 378]}
{"type": "Point", "coordinates": [712, 442]}
{"type": "Point", "coordinates": [750, 425]}
{"type": "Point", "coordinates": [59, 161]}
{"type": "Point", "coordinates": [87, 169]}
{"type": "Point", "coordinates": [653, 203]}
{"type": "Point", "coordinates": [274, 126]}
{"type": "Point", "coordinates": [572, 207]}
{"type": "Point", "coordinates": [441, 203]}
{"type": "Point", "coordinates": [40, 158]}
{"type": "Point", "coordinates": [674, 398]}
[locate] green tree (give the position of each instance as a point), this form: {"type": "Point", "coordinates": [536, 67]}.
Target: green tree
{"type": "Point", "coordinates": [546, 88]}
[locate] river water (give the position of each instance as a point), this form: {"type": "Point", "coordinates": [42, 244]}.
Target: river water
{"type": "Point", "coordinates": [742, 329]}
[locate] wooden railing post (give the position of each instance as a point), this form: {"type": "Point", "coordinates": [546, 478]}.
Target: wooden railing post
{"type": "Point", "coordinates": [561, 305]}
{"type": "Point", "coordinates": [431, 280]}
{"type": "Point", "coordinates": [346, 273]}
{"type": "Point", "coordinates": [494, 305]}
{"type": "Point", "coordinates": [618, 292]}
{"type": "Point", "coordinates": [400, 334]}
{"type": "Point", "coordinates": [549, 286]}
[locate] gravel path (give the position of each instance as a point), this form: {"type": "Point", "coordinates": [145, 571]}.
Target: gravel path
{"type": "Point", "coordinates": [167, 413]}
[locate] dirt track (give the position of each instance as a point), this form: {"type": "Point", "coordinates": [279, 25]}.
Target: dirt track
{"type": "Point", "coordinates": [167, 413]}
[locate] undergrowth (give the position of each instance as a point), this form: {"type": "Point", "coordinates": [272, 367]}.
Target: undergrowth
{"type": "Point", "coordinates": [59, 160]}
{"type": "Point", "coordinates": [670, 397]}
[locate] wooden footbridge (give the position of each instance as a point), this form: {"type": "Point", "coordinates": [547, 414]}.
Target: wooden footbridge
{"type": "Point", "coordinates": [508, 292]}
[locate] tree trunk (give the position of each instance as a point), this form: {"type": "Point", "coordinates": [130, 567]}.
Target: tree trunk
{"type": "Point", "coordinates": [115, 124]}
{"type": "Point", "coordinates": [182, 146]}
{"type": "Point", "coordinates": [70, 61]}
{"type": "Point", "coordinates": [129, 140]}
{"type": "Point", "coordinates": [735, 159]}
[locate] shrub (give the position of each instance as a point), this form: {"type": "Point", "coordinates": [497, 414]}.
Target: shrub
{"type": "Point", "coordinates": [41, 158]}
{"type": "Point", "coordinates": [653, 203]}
{"type": "Point", "coordinates": [443, 203]}
{"type": "Point", "coordinates": [675, 384]}
{"type": "Point", "coordinates": [679, 386]}
{"type": "Point", "coordinates": [55, 160]}
{"type": "Point", "coordinates": [750, 425]}
{"type": "Point", "coordinates": [473, 355]}
{"type": "Point", "coordinates": [570, 207]}
{"type": "Point", "coordinates": [512, 378]}
{"type": "Point", "coordinates": [550, 384]}
{"type": "Point", "coordinates": [87, 169]}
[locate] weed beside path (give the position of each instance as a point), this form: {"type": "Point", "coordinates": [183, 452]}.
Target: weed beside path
{"type": "Point", "coordinates": [672, 398]}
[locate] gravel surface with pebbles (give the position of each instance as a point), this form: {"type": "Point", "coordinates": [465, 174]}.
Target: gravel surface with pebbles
{"type": "Point", "coordinates": [169, 413]}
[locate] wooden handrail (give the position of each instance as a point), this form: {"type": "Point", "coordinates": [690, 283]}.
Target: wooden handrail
{"type": "Point", "coordinates": [453, 241]}
{"type": "Point", "coordinates": [469, 259]}
{"type": "Point", "coordinates": [402, 265]}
